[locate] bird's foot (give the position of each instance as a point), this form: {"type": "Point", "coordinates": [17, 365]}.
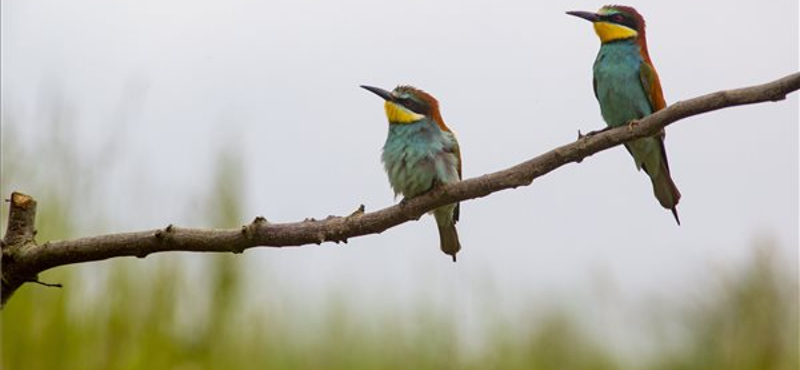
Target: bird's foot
{"type": "Point", "coordinates": [591, 133]}
{"type": "Point", "coordinates": [632, 124]}
{"type": "Point", "coordinates": [404, 202]}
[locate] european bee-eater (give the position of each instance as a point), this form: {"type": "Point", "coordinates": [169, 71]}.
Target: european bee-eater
{"type": "Point", "coordinates": [420, 153]}
{"type": "Point", "coordinates": [627, 87]}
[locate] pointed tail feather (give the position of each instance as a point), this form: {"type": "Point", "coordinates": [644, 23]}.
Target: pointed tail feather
{"type": "Point", "coordinates": [448, 240]}
{"type": "Point", "coordinates": [666, 192]}
{"type": "Point", "coordinates": [446, 218]}
{"type": "Point", "coordinates": [664, 188]}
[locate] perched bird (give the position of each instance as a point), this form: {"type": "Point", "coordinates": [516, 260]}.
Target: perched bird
{"type": "Point", "coordinates": [628, 88]}
{"type": "Point", "coordinates": [420, 153]}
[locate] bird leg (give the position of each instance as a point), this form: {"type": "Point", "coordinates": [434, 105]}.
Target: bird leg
{"type": "Point", "coordinates": [403, 203]}
{"type": "Point", "coordinates": [592, 133]}
{"type": "Point", "coordinates": [632, 124]}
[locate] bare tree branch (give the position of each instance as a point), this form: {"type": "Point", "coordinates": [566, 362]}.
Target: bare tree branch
{"type": "Point", "coordinates": [23, 259]}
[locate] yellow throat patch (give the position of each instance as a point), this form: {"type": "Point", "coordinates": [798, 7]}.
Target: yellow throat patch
{"type": "Point", "coordinates": [400, 114]}
{"type": "Point", "coordinates": [610, 31]}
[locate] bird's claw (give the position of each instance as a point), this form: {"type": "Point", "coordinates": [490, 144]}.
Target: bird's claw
{"type": "Point", "coordinates": [591, 133]}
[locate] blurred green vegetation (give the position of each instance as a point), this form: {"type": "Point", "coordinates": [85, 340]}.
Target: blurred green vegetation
{"type": "Point", "coordinates": [138, 321]}
{"type": "Point", "coordinates": [157, 314]}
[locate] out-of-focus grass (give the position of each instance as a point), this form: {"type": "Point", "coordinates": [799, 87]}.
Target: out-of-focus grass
{"type": "Point", "coordinates": [750, 322]}
{"type": "Point", "coordinates": [136, 322]}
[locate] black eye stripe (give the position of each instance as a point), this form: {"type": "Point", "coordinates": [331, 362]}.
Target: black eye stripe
{"type": "Point", "coordinates": [621, 19]}
{"type": "Point", "coordinates": [411, 104]}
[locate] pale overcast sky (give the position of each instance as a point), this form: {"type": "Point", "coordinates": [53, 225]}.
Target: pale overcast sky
{"type": "Point", "coordinates": [170, 83]}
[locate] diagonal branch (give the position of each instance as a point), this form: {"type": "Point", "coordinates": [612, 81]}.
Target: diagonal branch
{"type": "Point", "coordinates": [23, 259]}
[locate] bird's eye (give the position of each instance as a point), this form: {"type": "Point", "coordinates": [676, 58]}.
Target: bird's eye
{"type": "Point", "coordinates": [618, 18]}
{"type": "Point", "coordinates": [408, 103]}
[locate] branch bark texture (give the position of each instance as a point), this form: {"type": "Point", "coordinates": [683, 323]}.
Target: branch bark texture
{"type": "Point", "coordinates": [23, 259]}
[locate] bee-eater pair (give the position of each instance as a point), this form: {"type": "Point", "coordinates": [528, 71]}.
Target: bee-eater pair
{"type": "Point", "coordinates": [421, 152]}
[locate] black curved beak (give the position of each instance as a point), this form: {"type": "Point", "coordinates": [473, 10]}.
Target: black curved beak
{"type": "Point", "coordinates": [378, 91]}
{"type": "Point", "coordinates": [589, 16]}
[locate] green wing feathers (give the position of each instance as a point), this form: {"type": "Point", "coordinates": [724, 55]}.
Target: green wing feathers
{"type": "Point", "coordinates": [658, 166]}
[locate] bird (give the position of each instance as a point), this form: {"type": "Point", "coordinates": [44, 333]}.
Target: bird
{"type": "Point", "coordinates": [628, 88]}
{"type": "Point", "coordinates": [421, 153]}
